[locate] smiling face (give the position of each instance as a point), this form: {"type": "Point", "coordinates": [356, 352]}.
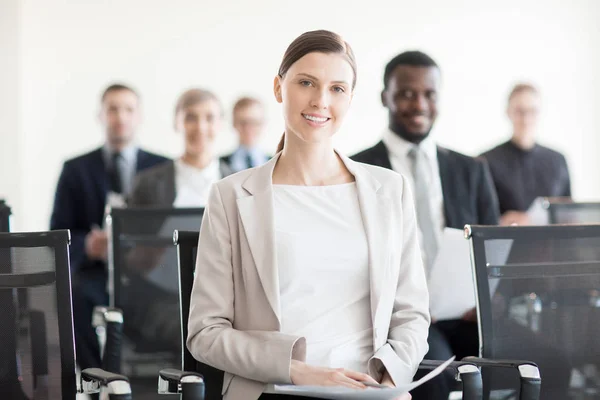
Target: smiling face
{"type": "Point", "coordinates": [200, 124]}
{"type": "Point", "coordinates": [316, 93]}
{"type": "Point", "coordinates": [411, 99]}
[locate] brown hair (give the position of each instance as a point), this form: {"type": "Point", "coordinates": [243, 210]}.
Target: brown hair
{"type": "Point", "coordinates": [245, 102]}
{"type": "Point", "coordinates": [522, 87]}
{"type": "Point", "coordinates": [320, 41]}
{"type": "Point", "coordinates": [194, 96]}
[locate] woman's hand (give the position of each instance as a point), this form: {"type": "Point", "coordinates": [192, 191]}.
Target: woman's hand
{"type": "Point", "coordinates": [304, 374]}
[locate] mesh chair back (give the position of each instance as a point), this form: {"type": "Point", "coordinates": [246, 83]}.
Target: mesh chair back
{"type": "Point", "coordinates": [143, 282]}
{"type": "Point", "coordinates": [574, 213]}
{"type": "Point", "coordinates": [37, 355]}
{"type": "Point", "coordinates": [187, 249]}
{"type": "Point", "coordinates": [538, 293]}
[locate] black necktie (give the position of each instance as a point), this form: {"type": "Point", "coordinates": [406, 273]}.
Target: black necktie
{"type": "Point", "coordinates": [114, 174]}
{"type": "Point", "coordinates": [249, 162]}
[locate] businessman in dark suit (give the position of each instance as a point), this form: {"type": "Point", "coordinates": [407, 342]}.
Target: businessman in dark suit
{"type": "Point", "coordinates": [85, 186]}
{"type": "Point", "coordinates": [451, 189]}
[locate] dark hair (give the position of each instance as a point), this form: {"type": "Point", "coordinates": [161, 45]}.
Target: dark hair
{"type": "Point", "coordinates": [194, 96]}
{"type": "Point", "coordinates": [410, 58]}
{"type": "Point", "coordinates": [523, 87]}
{"type": "Point", "coordinates": [117, 87]}
{"type": "Point", "coordinates": [320, 41]}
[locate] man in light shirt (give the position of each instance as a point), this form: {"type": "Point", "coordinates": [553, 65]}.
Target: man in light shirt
{"type": "Point", "coordinates": [248, 121]}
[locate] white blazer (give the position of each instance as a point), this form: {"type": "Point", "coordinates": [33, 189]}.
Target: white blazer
{"type": "Point", "coordinates": [234, 323]}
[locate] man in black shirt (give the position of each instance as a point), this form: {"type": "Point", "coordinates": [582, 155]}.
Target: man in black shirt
{"type": "Point", "coordinates": [522, 169]}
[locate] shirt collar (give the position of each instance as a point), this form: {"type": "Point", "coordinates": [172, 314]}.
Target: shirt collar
{"type": "Point", "coordinates": [211, 170]}
{"type": "Point", "coordinates": [129, 154]}
{"type": "Point", "coordinates": [400, 147]}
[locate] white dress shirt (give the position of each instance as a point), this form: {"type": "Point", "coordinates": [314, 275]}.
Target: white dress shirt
{"type": "Point", "coordinates": [192, 184]}
{"type": "Point", "coordinates": [398, 149]}
{"type": "Point", "coordinates": [322, 264]}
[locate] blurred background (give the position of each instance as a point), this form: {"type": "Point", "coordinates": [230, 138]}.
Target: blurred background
{"type": "Point", "coordinates": [57, 56]}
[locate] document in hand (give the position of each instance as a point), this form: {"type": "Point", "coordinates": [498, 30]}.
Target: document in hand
{"type": "Point", "coordinates": [451, 285]}
{"type": "Point", "coordinates": [343, 393]}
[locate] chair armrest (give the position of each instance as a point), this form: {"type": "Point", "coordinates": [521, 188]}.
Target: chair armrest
{"type": "Point", "coordinates": [529, 373]}
{"type": "Point", "coordinates": [108, 323]}
{"type": "Point", "coordinates": [92, 379]}
{"type": "Point", "coordinates": [466, 372]}
{"type": "Point", "coordinates": [189, 384]}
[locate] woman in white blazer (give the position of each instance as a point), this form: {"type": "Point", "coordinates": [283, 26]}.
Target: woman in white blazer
{"type": "Point", "coordinates": [308, 268]}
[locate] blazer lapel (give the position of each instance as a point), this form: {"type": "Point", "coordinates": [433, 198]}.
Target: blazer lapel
{"type": "Point", "coordinates": [449, 188]}
{"type": "Point", "coordinates": [256, 214]}
{"type": "Point", "coordinates": [100, 177]}
{"type": "Point", "coordinates": [376, 211]}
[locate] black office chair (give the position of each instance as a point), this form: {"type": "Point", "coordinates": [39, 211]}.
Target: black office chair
{"type": "Point", "coordinates": [39, 362]}
{"type": "Point", "coordinates": [466, 371]}
{"type": "Point", "coordinates": [143, 282]}
{"type": "Point", "coordinates": [538, 298]}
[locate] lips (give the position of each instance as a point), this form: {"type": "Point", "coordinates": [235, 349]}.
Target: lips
{"type": "Point", "coordinates": [317, 119]}
{"type": "Point", "coordinates": [419, 119]}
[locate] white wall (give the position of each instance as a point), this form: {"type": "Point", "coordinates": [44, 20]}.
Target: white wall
{"type": "Point", "coordinates": [70, 50]}
{"type": "Point", "coordinates": [10, 161]}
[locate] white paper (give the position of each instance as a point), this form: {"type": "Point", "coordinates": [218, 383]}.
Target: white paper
{"type": "Point", "coordinates": [344, 393]}
{"type": "Point", "coordinates": [537, 213]}
{"type": "Point", "coordinates": [451, 285]}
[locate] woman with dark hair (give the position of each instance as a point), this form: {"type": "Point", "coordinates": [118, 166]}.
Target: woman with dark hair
{"type": "Point", "coordinates": [308, 268]}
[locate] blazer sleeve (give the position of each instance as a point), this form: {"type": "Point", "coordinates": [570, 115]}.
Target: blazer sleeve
{"type": "Point", "coordinates": [407, 337]}
{"type": "Point", "coordinates": [262, 356]}
{"type": "Point", "coordinates": [488, 208]}
{"type": "Point", "coordinates": [64, 215]}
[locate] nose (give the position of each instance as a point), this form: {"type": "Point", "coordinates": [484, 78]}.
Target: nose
{"type": "Point", "coordinates": [420, 104]}
{"type": "Point", "coordinates": [320, 99]}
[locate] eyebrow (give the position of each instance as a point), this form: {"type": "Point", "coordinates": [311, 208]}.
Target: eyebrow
{"type": "Point", "coordinates": [316, 79]}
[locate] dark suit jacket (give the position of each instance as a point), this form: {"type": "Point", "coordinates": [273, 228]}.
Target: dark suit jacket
{"type": "Point", "coordinates": [469, 195]}
{"type": "Point", "coordinates": [156, 186]}
{"type": "Point", "coordinates": [80, 199]}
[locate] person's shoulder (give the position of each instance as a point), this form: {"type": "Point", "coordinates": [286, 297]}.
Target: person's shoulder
{"type": "Point", "coordinates": [459, 159]}
{"type": "Point", "coordinates": [84, 158]}
{"type": "Point", "coordinates": [153, 157]}
{"type": "Point", "coordinates": [494, 152]}
{"type": "Point", "coordinates": [156, 170]}
{"type": "Point", "coordinates": [365, 156]}
{"type": "Point", "coordinates": [550, 153]}
{"type": "Point", "coordinates": [387, 178]}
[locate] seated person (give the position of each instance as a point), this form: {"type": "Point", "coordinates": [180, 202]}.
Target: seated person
{"type": "Point", "coordinates": [181, 183]}
{"type": "Point", "coordinates": [249, 122]}
{"type": "Point", "coordinates": [521, 168]}
{"type": "Point", "coordinates": [185, 182]}
{"type": "Point", "coordinates": [450, 190]}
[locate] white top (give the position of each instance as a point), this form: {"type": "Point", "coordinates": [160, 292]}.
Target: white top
{"type": "Point", "coordinates": [322, 259]}
{"type": "Point", "coordinates": [192, 184]}
{"type": "Point", "coordinates": [399, 149]}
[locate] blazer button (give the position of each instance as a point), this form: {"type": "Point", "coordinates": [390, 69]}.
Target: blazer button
{"type": "Point", "coordinates": [375, 333]}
